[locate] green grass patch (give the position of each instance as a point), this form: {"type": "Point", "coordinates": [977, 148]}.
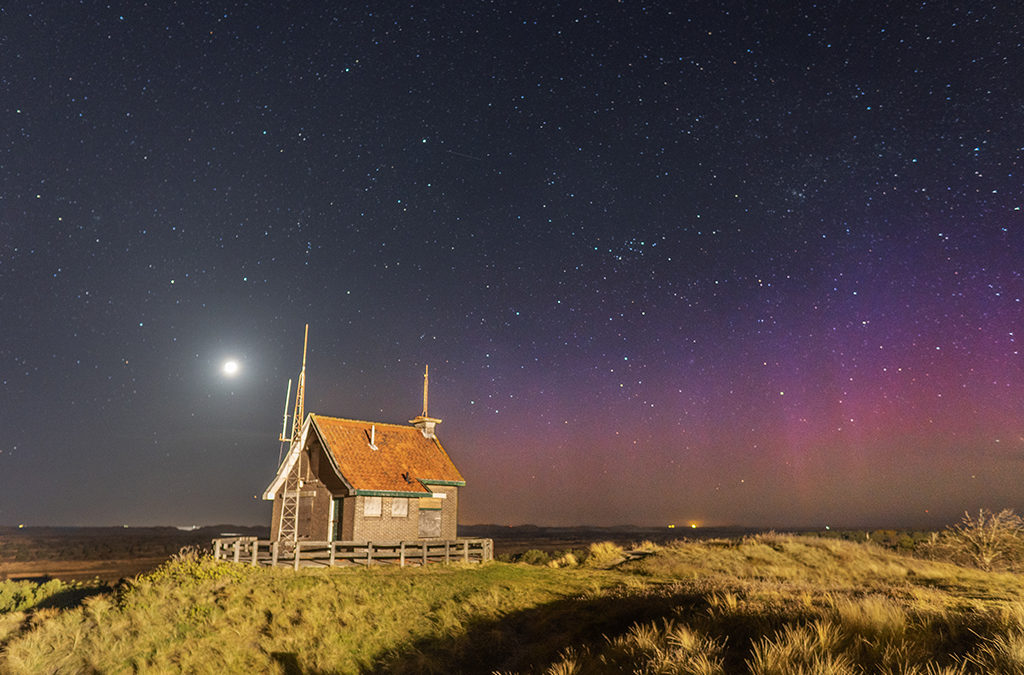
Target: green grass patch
{"type": "Point", "coordinates": [767, 604]}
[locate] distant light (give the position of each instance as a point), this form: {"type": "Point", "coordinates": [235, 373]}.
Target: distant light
{"type": "Point", "coordinates": [230, 368]}
{"type": "Point", "coordinates": [671, 527]}
{"type": "Point", "coordinates": [693, 526]}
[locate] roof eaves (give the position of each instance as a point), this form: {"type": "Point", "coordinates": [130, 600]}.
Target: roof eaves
{"type": "Point", "coordinates": [390, 493]}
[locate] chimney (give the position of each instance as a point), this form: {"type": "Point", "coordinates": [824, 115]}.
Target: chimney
{"type": "Point", "coordinates": [424, 422]}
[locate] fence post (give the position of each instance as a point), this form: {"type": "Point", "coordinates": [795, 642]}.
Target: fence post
{"type": "Point", "coordinates": [447, 552]}
{"type": "Point", "coordinates": [465, 551]}
{"type": "Point", "coordinates": [295, 563]}
{"type": "Point", "coordinates": [238, 549]}
{"type": "Point", "coordinates": [216, 549]}
{"type": "Point", "coordinates": [255, 551]}
{"type": "Point", "coordinates": [334, 547]}
{"type": "Point", "coordinates": [401, 554]}
{"type": "Point", "coordinates": [273, 554]}
{"type": "Point", "coordinates": [369, 553]}
{"type": "Point", "coordinates": [423, 549]}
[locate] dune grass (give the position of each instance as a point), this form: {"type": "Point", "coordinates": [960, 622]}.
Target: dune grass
{"type": "Point", "coordinates": [767, 604]}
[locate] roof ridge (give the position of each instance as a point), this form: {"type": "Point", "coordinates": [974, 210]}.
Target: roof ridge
{"type": "Point", "coordinates": [355, 421]}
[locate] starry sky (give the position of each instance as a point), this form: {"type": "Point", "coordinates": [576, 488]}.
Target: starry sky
{"type": "Point", "coordinates": [748, 263]}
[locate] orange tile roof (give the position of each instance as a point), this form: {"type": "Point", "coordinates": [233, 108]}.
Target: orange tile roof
{"type": "Point", "coordinates": [403, 457]}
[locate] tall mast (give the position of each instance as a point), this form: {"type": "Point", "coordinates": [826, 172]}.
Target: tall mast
{"type": "Point", "coordinates": [300, 394]}
{"type": "Point", "coordinates": [284, 422]}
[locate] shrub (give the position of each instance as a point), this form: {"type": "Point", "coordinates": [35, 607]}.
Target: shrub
{"type": "Point", "coordinates": [534, 557]}
{"type": "Point", "coordinates": [567, 559]}
{"type": "Point", "coordinates": [989, 541]}
{"type": "Point", "coordinates": [191, 565]}
{"type": "Point", "coordinates": [604, 554]}
{"type": "Point", "coordinates": [17, 596]}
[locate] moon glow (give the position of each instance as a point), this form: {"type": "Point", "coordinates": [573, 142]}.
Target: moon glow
{"type": "Point", "coordinates": [230, 368]}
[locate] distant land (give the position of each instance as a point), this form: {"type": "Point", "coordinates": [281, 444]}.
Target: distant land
{"type": "Point", "coordinates": [107, 553]}
{"type": "Point", "coordinates": [518, 538]}
{"type": "Point", "coordinates": [114, 553]}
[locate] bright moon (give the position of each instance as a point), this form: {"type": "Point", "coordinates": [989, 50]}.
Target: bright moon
{"type": "Point", "coordinates": [230, 368]}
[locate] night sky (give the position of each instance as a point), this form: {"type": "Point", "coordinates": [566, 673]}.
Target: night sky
{"type": "Point", "coordinates": [730, 263]}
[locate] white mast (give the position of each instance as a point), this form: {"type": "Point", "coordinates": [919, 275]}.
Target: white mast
{"type": "Point", "coordinates": [288, 525]}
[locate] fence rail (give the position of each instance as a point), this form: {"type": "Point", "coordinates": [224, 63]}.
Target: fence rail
{"type": "Point", "coordinates": [421, 552]}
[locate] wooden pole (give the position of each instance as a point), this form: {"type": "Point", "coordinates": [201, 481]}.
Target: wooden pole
{"type": "Point", "coordinates": [426, 384]}
{"type": "Point", "coordinates": [273, 554]}
{"type": "Point", "coordinates": [295, 562]}
{"type": "Point", "coordinates": [401, 554]}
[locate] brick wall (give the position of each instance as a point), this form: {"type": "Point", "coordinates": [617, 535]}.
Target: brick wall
{"type": "Point", "coordinates": [275, 518]}
{"type": "Point", "coordinates": [388, 527]}
{"type": "Point", "coordinates": [449, 510]}
{"type": "Point", "coordinates": [348, 512]}
{"type": "Point", "coordinates": [385, 527]}
{"type": "Point", "coordinates": [320, 514]}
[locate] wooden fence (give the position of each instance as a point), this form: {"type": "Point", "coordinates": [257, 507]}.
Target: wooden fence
{"type": "Point", "coordinates": [253, 551]}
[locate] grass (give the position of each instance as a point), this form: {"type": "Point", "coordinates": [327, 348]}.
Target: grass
{"type": "Point", "coordinates": [764, 605]}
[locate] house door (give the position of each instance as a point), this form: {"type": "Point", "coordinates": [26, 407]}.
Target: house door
{"type": "Point", "coordinates": [430, 523]}
{"type": "Point", "coordinates": [336, 520]}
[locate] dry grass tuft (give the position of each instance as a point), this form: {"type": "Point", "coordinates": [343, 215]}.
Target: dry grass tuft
{"type": "Point", "coordinates": [605, 554]}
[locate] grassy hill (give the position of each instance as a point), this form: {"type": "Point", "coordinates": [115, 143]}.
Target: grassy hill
{"type": "Point", "coordinates": [762, 604]}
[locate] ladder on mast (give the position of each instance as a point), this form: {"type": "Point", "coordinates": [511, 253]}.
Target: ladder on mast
{"type": "Point", "coordinates": [288, 527]}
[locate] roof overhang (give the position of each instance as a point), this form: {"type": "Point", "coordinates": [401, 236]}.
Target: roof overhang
{"type": "Point", "coordinates": [289, 461]}
{"type": "Point", "coordinates": [451, 483]}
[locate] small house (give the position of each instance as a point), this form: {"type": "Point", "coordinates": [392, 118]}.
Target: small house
{"type": "Point", "coordinates": [351, 480]}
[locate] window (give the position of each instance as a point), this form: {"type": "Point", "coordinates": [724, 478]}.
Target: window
{"type": "Point", "coordinates": [430, 524]}
{"type": "Point", "coordinates": [399, 507]}
{"type": "Point", "coordinates": [372, 507]}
